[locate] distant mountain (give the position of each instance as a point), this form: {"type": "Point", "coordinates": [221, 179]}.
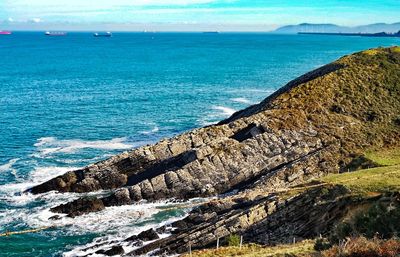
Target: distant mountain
{"type": "Point", "coordinates": [308, 27]}
{"type": "Point", "coordinates": [332, 28]}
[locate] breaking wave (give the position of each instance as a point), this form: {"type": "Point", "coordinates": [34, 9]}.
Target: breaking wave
{"type": "Point", "coordinates": [51, 145]}
{"type": "Point", "coordinates": [225, 111]}
{"type": "Point", "coordinates": [241, 100]}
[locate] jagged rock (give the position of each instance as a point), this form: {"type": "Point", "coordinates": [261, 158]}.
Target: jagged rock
{"type": "Point", "coordinates": [265, 220]}
{"type": "Point", "coordinates": [115, 250]}
{"type": "Point", "coordinates": [55, 217]}
{"type": "Point", "coordinates": [161, 229]}
{"type": "Point", "coordinates": [120, 197]}
{"type": "Point", "coordinates": [80, 206]}
{"type": "Point", "coordinates": [147, 235]}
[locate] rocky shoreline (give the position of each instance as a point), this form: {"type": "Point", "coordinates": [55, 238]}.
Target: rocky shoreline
{"type": "Point", "coordinates": [318, 124]}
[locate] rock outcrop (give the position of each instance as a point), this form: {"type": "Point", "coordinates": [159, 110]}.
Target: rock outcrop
{"type": "Point", "coordinates": [267, 220]}
{"type": "Point", "coordinates": [317, 124]}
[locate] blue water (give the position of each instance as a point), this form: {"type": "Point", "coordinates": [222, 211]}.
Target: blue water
{"type": "Point", "coordinates": [69, 101]}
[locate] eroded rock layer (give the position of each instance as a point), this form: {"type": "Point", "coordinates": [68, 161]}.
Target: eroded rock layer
{"type": "Point", "coordinates": [314, 125]}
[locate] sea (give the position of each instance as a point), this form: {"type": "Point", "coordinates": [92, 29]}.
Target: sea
{"type": "Point", "coordinates": [69, 101]}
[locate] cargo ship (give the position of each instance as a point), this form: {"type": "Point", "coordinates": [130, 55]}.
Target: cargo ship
{"type": "Point", "coordinates": [55, 33]}
{"type": "Point", "coordinates": [106, 34]}
{"type": "Point", "coordinates": [5, 32]}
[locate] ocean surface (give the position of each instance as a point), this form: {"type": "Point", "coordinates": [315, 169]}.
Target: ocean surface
{"type": "Point", "coordinates": [69, 101]}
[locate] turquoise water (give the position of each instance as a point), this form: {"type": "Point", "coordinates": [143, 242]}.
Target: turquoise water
{"type": "Point", "coordinates": [69, 101]}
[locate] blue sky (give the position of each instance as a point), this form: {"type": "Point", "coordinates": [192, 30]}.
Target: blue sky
{"type": "Point", "coordinates": [250, 13]}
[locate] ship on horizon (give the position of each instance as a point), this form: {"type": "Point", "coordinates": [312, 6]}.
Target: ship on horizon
{"type": "Point", "coordinates": [55, 33]}
{"type": "Point", "coordinates": [210, 32]}
{"type": "Point", "coordinates": [5, 32]}
{"type": "Point", "coordinates": [99, 34]}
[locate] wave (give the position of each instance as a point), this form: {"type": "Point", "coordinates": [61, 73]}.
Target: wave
{"type": "Point", "coordinates": [13, 192]}
{"type": "Point", "coordinates": [212, 118]}
{"type": "Point", "coordinates": [51, 145]}
{"type": "Point", "coordinates": [9, 166]}
{"type": "Point", "coordinates": [121, 226]}
{"type": "Point", "coordinates": [152, 131]}
{"type": "Point", "coordinates": [226, 111]}
{"type": "Point", "coordinates": [242, 100]}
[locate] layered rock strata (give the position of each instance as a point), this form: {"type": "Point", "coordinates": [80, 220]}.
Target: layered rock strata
{"type": "Point", "coordinates": [317, 124]}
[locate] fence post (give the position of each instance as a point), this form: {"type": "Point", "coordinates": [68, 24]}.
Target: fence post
{"type": "Point", "coordinates": [217, 243]}
{"type": "Point", "coordinates": [190, 249]}
{"type": "Point", "coordinates": [241, 241]}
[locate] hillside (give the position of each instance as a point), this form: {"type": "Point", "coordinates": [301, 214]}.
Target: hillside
{"type": "Point", "coordinates": [372, 185]}
{"type": "Point", "coordinates": [332, 28]}
{"type": "Point", "coordinates": [326, 121]}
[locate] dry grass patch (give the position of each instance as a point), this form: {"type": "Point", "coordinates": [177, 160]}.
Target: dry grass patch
{"type": "Point", "coordinates": [252, 250]}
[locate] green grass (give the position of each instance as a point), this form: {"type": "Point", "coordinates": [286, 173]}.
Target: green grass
{"type": "Point", "coordinates": [387, 157]}
{"type": "Point", "coordinates": [371, 52]}
{"type": "Point", "coordinates": [381, 180]}
{"type": "Point", "coordinates": [252, 250]}
{"type": "Point", "coordinates": [364, 182]}
{"type": "Point", "coordinates": [396, 49]}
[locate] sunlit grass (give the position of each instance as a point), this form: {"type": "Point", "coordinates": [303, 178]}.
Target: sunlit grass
{"type": "Point", "coordinates": [253, 250]}
{"type": "Point", "coordinates": [382, 179]}
{"type": "Point", "coordinates": [371, 52]}
{"type": "Point", "coordinates": [387, 157]}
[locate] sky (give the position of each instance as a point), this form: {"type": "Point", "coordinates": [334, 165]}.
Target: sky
{"type": "Point", "coordinates": [192, 14]}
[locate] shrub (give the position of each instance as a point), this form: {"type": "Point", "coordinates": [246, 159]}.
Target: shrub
{"type": "Point", "coordinates": [379, 220]}
{"type": "Point", "coordinates": [233, 240]}
{"type": "Point", "coordinates": [322, 244]}
{"type": "Point", "coordinates": [362, 247]}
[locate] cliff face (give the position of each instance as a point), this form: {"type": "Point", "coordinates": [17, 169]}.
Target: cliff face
{"type": "Point", "coordinates": [317, 124]}
{"type": "Point", "coordinates": [314, 125]}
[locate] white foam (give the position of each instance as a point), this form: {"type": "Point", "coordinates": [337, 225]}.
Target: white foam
{"type": "Point", "coordinates": [122, 224]}
{"type": "Point", "coordinates": [226, 111]}
{"type": "Point", "coordinates": [8, 166]}
{"type": "Point", "coordinates": [13, 192]}
{"type": "Point", "coordinates": [50, 145]}
{"type": "Point", "coordinates": [241, 100]}
{"type": "Point", "coordinates": [214, 117]}
{"type": "Point", "coordinates": [155, 129]}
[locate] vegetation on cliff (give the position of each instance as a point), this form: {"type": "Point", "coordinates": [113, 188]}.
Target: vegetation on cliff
{"type": "Point", "coordinates": [272, 158]}
{"type": "Point", "coordinates": [361, 232]}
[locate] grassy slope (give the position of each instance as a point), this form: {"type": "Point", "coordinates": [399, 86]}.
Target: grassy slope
{"type": "Point", "coordinates": [381, 179]}
{"type": "Point", "coordinates": [376, 120]}
{"type": "Point", "coordinates": [252, 250]}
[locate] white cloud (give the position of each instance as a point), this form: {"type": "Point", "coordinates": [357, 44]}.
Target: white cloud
{"type": "Point", "coordinates": [97, 4]}
{"type": "Point", "coordinates": [35, 20]}
{"type": "Point", "coordinates": [48, 9]}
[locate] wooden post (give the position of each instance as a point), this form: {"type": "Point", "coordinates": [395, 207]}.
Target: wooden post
{"type": "Point", "coordinates": [241, 241]}
{"type": "Point", "coordinates": [294, 240]}
{"type": "Point", "coordinates": [190, 249]}
{"type": "Point", "coordinates": [217, 243]}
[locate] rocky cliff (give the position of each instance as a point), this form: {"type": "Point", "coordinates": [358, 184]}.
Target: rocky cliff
{"type": "Point", "coordinates": [317, 124]}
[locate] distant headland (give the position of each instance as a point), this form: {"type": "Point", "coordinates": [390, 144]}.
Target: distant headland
{"type": "Point", "coordinates": [333, 28]}
{"type": "Point", "coordinates": [380, 34]}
